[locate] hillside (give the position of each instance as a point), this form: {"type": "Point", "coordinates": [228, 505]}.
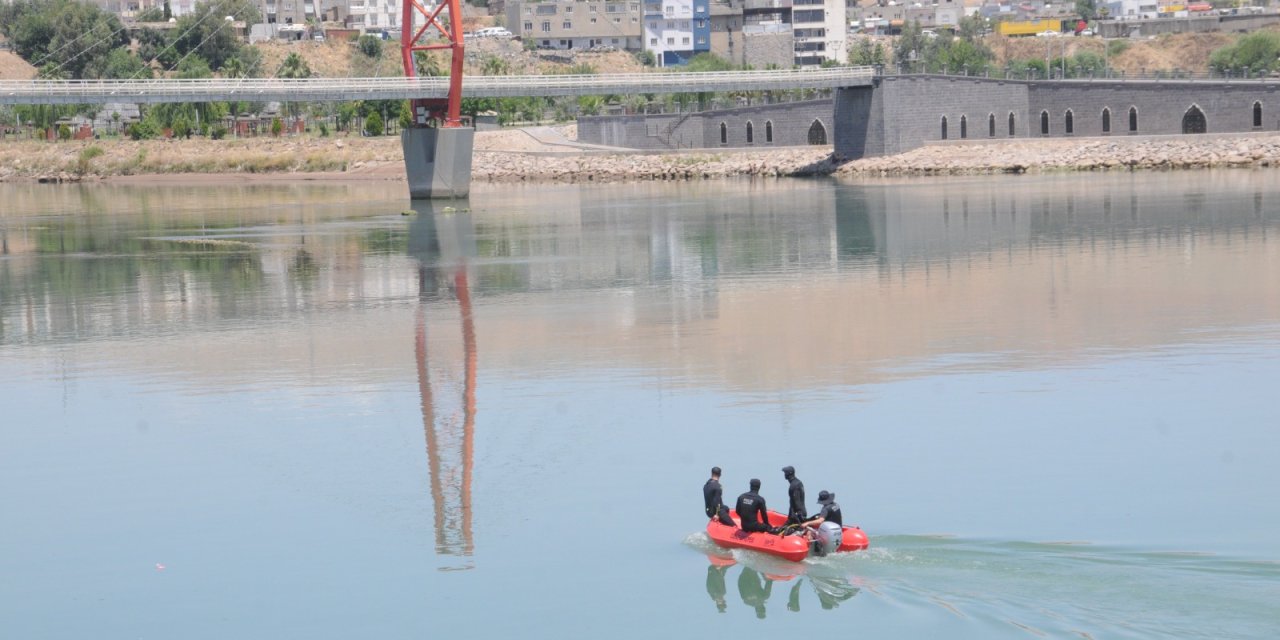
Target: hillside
{"type": "Point", "coordinates": [14, 68]}
{"type": "Point", "coordinates": [338, 59]}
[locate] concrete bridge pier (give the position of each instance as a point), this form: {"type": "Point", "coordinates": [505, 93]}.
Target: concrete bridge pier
{"type": "Point", "coordinates": [437, 161]}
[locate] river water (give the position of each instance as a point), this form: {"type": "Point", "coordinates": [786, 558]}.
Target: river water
{"type": "Point", "coordinates": [305, 411]}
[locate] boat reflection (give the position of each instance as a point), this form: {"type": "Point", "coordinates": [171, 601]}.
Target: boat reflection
{"type": "Point", "coordinates": [442, 242]}
{"type": "Point", "coordinates": [755, 586]}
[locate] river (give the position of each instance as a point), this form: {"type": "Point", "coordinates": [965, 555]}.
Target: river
{"type": "Point", "coordinates": [307, 410]}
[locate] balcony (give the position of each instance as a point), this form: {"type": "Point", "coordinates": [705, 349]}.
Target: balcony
{"type": "Point", "coordinates": [765, 5]}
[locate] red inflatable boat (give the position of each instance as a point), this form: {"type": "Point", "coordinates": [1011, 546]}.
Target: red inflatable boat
{"type": "Point", "coordinates": [790, 547]}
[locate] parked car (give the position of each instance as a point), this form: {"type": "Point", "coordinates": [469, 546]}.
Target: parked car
{"type": "Point", "coordinates": [1048, 34]}
{"type": "Point", "coordinates": [492, 32]}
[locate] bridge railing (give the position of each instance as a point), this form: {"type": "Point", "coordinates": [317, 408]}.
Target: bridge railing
{"type": "Point", "coordinates": [342, 89]}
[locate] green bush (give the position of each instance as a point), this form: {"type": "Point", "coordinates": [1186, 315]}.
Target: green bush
{"type": "Point", "coordinates": [218, 132]}
{"type": "Point", "coordinates": [1255, 54]}
{"type": "Point", "coordinates": [277, 127]}
{"type": "Point", "coordinates": [144, 130]}
{"type": "Point", "coordinates": [370, 46]}
{"type": "Point", "coordinates": [64, 132]}
{"type": "Point", "coordinates": [85, 159]}
{"type": "Point", "coordinates": [373, 124]}
{"type": "Point", "coordinates": [324, 130]}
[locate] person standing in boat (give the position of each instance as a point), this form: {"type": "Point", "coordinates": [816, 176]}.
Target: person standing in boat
{"type": "Point", "coordinates": [796, 511]}
{"type": "Point", "coordinates": [752, 511]}
{"type": "Point", "coordinates": [713, 496]}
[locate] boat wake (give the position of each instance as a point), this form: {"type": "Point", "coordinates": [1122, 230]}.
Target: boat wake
{"type": "Point", "coordinates": [1050, 589]}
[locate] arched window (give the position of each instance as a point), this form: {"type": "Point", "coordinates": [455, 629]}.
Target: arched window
{"type": "Point", "coordinates": [1106, 120]}
{"type": "Point", "coordinates": [1193, 121]}
{"type": "Point", "coordinates": [1044, 123]}
{"type": "Point", "coordinates": [944, 127]}
{"type": "Point", "coordinates": [817, 133]}
{"type": "Point", "coordinates": [1133, 119]}
{"type": "Point", "coordinates": [1069, 124]}
{"type": "Point", "coordinates": [964, 127]}
{"type": "Point", "coordinates": [991, 125]}
{"type": "Point", "coordinates": [751, 133]}
{"type": "Point", "coordinates": [724, 133]}
{"type": "Point", "coordinates": [1257, 114]}
{"type": "Point", "coordinates": [1013, 128]}
{"type": "Point", "coordinates": [768, 131]}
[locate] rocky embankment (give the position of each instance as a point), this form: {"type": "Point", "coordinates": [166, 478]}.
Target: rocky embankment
{"type": "Point", "coordinates": [506, 157]}
{"type": "Point", "coordinates": [1081, 154]}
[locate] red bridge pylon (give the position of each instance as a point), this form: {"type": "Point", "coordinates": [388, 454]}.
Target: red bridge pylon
{"type": "Point", "coordinates": [447, 111]}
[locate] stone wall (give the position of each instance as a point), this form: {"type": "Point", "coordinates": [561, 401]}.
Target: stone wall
{"type": "Point", "coordinates": [760, 50]}
{"type": "Point", "coordinates": [902, 113]}
{"type": "Point", "coordinates": [1160, 108]}
{"type": "Point", "coordinates": [914, 107]}
{"type": "Point", "coordinates": [790, 124]}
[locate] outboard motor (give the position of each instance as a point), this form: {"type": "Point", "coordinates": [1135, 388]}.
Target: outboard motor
{"type": "Point", "coordinates": [828, 539]}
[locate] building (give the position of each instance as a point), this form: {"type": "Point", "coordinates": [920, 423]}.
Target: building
{"type": "Point", "coordinates": [577, 24]}
{"type": "Point", "coordinates": [818, 29]}
{"type": "Point", "coordinates": [677, 30]}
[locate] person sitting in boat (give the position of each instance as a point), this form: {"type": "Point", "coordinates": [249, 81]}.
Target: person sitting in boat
{"type": "Point", "coordinates": [829, 525]}
{"type": "Point", "coordinates": [796, 511]}
{"type": "Point", "coordinates": [713, 496]}
{"type": "Point", "coordinates": [752, 511]}
{"type": "Point", "coordinates": [830, 510]}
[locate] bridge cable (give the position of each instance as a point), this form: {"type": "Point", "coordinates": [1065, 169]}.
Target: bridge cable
{"type": "Point", "coordinates": [82, 51]}
{"type": "Point", "coordinates": [180, 36]}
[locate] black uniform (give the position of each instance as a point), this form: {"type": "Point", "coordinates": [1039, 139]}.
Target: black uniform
{"type": "Point", "coordinates": [831, 513]}
{"type": "Point", "coordinates": [753, 512]}
{"type": "Point", "coordinates": [712, 496]}
{"type": "Point", "coordinates": [797, 512]}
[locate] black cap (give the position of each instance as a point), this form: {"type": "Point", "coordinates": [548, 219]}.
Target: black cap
{"type": "Point", "coordinates": [788, 470]}
{"type": "Point", "coordinates": [755, 484]}
{"type": "Point", "coordinates": [825, 497]}
{"type": "Point", "coordinates": [715, 471]}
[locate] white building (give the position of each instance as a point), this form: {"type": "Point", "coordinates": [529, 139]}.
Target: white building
{"type": "Point", "coordinates": [819, 31]}
{"type": "Point", "coordinates": [676, 30]}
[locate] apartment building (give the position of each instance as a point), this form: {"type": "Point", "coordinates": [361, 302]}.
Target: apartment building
{"type": "Point", "coordinates": [819, 29]}
{"type": "Point", "coordinates": [677, 30]}
{"type": "Point", "coordinates": [577, 24]}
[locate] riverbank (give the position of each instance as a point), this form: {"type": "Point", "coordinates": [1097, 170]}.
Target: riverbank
{"type": "Point", "coordinates": [520, 156]}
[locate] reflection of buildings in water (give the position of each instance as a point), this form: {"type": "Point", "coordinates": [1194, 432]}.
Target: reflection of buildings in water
{"type": "Point", "coordinates": [759, 285]}
{"type": "Point", "coordinates": [442, 244]}
{"type": "Point", "coordinates": [756, 587]}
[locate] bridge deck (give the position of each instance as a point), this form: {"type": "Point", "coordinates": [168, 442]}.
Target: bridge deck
{"type": "Point", "coordinates": [349, 89]}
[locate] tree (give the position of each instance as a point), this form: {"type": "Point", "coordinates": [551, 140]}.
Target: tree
{"type": "Point", "coordinates": [1086, 9]}
{"type": "Point", "coordinates": [167, 14]}
{"type": "Point", "coordinates": [294, 67]}
{"type": "Point", "coordinates": [207, 32]}
{"type": "Point", "coordinates": [1255, 54]}
{"type": "Point", "coordinates": [370, 46]}
{"type": "Point", "coordinates": [118, 65]}
{"type": "Point", "coordinates": [373, 124]}
{"type": "Point", "coordinates": [590, 105]}
{"type": "Point", "coordinates": [277, 126]}
{"type": "Point", "coordinates": [64, 35]}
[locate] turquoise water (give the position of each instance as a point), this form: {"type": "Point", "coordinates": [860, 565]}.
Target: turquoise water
{"type": "Point", "coordinates": [294, 411]}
